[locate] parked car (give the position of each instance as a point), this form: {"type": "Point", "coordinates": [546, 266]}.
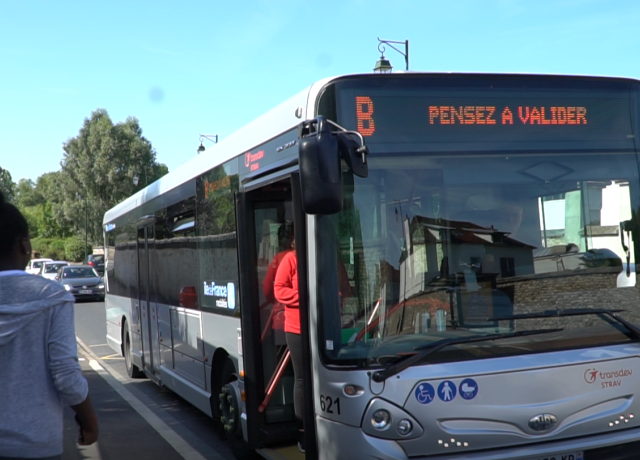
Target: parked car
{"type": "Point", "coordinates": [34, 265]}
{"type": "Point", "coordinates": [97, 262]}
{"type": "Point", "coordinates": [82, 281]}
{"type": "Point", "coordinates": [50, 269]}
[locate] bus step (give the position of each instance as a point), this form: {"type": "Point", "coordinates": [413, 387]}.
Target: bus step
{"type": "Point", "coordinates": [282, 453]}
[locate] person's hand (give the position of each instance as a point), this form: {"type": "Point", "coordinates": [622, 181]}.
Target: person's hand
{"type": "Point", "coordinates": [87, 435]}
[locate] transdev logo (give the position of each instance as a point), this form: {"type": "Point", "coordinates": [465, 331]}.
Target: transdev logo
{"type": "Point", "coordinates": [591, 375]}
{"type": "Point", "coordinates": [250, 158]}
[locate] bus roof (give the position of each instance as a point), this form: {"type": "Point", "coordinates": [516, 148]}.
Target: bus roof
{"type": "Point", "coordinates": [276, 121]}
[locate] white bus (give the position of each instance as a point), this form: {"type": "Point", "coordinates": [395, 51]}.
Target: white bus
{"type": "Point", "coordinates": [486, 230]}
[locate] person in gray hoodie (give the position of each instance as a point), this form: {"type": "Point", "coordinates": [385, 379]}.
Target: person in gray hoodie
{"type": "Point", "coordinates": [39, 369]}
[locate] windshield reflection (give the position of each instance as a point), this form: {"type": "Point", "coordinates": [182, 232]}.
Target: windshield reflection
{"type": "Point", "coordinates": [438, 247]}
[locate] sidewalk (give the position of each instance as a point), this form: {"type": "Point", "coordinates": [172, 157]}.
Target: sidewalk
{"type": "Point", "coordinates": [124, 434]}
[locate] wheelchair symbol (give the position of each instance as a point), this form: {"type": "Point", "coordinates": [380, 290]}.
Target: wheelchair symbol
{"type": "Point", "coordinates": [425, 393]}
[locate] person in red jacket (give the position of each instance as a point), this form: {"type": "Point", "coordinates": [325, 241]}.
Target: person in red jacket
{"type": "Point", "coordinates": [286, 292]}
{"type": "Point", "coordinates": [286, 245]}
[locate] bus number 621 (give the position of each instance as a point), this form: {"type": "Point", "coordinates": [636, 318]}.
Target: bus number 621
{"type": "Point", "coordinates": [329, 404]}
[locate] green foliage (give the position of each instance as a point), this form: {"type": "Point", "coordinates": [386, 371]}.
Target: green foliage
{"type": "Point", "coordinates": [31, 216]}
{"type": "Point", "coordinates": [74, 249]}
{"type": "Point", "coordinates": [52, 248]}
{"type": "Point", "coordinates": [98, 171]}
{"type": "Point", "coordinates": [217, 207]}
{"type": "Point", "coordinates": [27, 195]}
{"type": "Point", "coordinates": [6, 185]}
{"type": "Point", "coordinates": [43, 223]}
{"type": "Point", "coordinates": [71, 249]}
{"type": "Point", "coordinates": [57, 250]}
{"type": "Point", "coordinates": [40, 245]}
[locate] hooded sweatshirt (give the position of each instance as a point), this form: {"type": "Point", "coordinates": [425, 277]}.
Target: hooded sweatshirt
{"type": "Point", "coordinates": [39, 370]}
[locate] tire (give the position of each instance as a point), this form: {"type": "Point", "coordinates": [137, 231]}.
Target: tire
{"type": "Point", "coordinates": [225, 397]}
{"type": "Point", "coordinates": [133, 371]}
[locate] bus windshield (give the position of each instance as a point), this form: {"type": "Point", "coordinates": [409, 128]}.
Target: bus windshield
{"type": "Point", "coordinates": [443, 246]}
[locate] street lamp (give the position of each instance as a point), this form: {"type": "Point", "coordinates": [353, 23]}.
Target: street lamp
{"type": "Point", "coordinates": [136, 178]}
{"type": "Point", "coordinates": [384, 65]}
{"type": "Point", "coordinates": [210, 137]}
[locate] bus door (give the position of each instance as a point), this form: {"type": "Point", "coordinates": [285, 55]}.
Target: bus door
{"type": "Point", "coordinates": [148, 311]}
{"type": "Point", "coordinates": [265, 235]}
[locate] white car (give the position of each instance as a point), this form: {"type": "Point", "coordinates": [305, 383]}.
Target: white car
{"type": "Point", "coordinates": [34, 265]}
{"type": "Point", "coordinates": [50, 269]}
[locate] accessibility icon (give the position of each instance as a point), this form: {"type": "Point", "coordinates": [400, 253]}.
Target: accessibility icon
{"type": "Point", "coordinates": [447, 390]}
{"type": "Point", "coordinates": [468, 389]}
{"type": "Point", "coordinates": [425, 393]}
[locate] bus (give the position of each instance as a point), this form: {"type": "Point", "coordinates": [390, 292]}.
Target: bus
{"type": "Point", "coordinates": [465, 246]}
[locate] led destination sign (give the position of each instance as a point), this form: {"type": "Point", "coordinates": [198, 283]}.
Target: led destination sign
{"type": "Point", "coordinates": [480, 115]}
{"type": "Point", "coordinates": [408, 117]}
{"type": "Point", "coordinates": [486, 115]}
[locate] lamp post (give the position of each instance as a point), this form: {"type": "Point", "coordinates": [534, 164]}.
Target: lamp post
{"type": "Point", "coordinates": [384, 65]}
{"type": "Point", "coordinates": [86, 218]}
{"type": "Point", "coordinates": [84, 199]}
{"type": "Point", "coordinates": [210, 137]}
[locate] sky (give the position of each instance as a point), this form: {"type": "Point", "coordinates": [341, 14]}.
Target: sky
{"type": "Point", "coordinates": [210, 67]}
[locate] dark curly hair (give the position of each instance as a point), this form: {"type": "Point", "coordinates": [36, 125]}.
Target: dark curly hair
{"type": "Point", "coordinates": [285, 235]}
{"type": "Point", "coordinates": [13, 226]}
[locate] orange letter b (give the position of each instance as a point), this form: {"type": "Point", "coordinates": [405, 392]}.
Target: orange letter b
{"type": "Point", "coordinates": [368, 128]}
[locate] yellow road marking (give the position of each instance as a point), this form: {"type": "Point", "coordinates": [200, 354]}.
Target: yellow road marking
{"type": "Point", "coordinates": [114, 356]}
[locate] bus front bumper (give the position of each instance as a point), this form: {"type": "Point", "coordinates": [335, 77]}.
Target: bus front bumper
{"type": "Point", "coordinates": [336, 440]}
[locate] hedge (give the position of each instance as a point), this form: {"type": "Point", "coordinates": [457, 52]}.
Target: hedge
{"type": "Point", "coordinates": [71, 249]}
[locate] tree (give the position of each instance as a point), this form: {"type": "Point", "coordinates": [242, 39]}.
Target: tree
{"type": "Point", "coordinates": [98, 170]}
{"type": "Point", "coordinates": [27, 195]}
{"type": "Point", "coordinates": [6, 184]}
{"type": "Point", "coordinates": [38, 203]}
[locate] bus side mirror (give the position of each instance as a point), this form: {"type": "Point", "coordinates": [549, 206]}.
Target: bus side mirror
{"type": "Point", "coordinates": [320, 172]}
{"type": "Point", "coordinates": [320, 153]}
{"type": "Point", "coordinates": [353, 153]}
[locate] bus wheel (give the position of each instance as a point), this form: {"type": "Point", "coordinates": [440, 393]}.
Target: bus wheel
{"type": "Point", "coordinates": [230, 413]}
{"type": "Point", "coordinates": [132, 370]}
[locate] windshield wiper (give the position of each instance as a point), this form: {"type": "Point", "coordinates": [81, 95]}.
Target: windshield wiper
{"type": "Point", "coordinates": [431, 348]}
{"type": "Point", "coordinates": [610, 312]}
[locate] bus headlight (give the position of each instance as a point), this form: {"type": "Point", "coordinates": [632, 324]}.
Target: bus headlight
{"type": "Point", "coordinates": [385, 420]}
{"type": "Point", "coordinates": [404, 427]}
{"type": "Point", "coordinates": [381, 419]}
